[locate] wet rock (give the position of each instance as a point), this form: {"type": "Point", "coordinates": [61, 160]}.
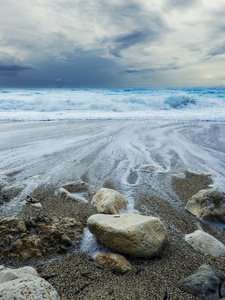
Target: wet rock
{"type": "Point", "coordinates": [148, 168]}
{"type": "Point", "coordinates": [34, 237]}
{"type": "Point", "coordinates": [206, 283]}
{"type": "Point", "coordinates": [24, 283]}
{"type": "Point", "coordinates": [37, 205]}
{"type": "Point", "coordinates": [115, 262]}
{"type": "Point", "coordinates": [132, 234]}
{"type": "Point", "coordinates": [205, 243]}
{"type": "Point", "coordinates": [208, 204]}
{"type": "Point", "coordinates": [67, 195]}
{"type": "Point", "coordinates": [7, 274]}
{"type": "Point", "coordinates": [76, 186]}
{"type": "Point", "coordinates": [30, 199]}
{"type": "Point", "coordinates": [109, 201]}
{"type": "Point", "coordinates": [135, 211]}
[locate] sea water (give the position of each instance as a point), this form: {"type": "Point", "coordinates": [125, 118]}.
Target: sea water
{"type": "Point", "coordinates": [75, 104]}
{"type": "Point", "coordinates": [105, 135]}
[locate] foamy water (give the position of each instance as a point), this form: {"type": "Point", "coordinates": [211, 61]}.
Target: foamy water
{"type": "Point", "coordinates": [73, 104]}
{"type": "Point", "coordinates": [105, 135]}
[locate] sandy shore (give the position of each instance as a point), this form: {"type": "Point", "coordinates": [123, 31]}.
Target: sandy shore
{"type": "Point", "coordinates": [76, 276]}
{"type": "Point", "coordinates": [38, 158]}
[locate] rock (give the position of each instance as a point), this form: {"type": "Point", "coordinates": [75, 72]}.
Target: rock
{"type": "Point", "coordinates": [206, 283]}
{"type": "Point", "coordinates": [24, 283]}
{"type": "Point", "coordinates": [76, 186]}
{"type": "Point", "coordinates": [34, 237]}
{"type": "Point", "coordinates": [37, 205]}
{"type": "Point", "coordinates": [148, 168]}
{"type": "Point", "coordinates": [132, 234]}
{"type": "Point", "coordinates": [135, 211]}
{"type": "Point", "coordinates": [7, 274]}
{"type": "Point", "coordinates": [206, 174]}
{"type": "Point", "coordinates": [208, 204]}
{"type": "Point", "coordinates": [205, 243]}
{"type": "Point", "coordinates": [67, 195]}
{"type": "Point", "coordinates": [109, 201]}
{"type": "Point", "coordinates": [117, 263]}
{"type": "Point", "coordinates": [30, 199]}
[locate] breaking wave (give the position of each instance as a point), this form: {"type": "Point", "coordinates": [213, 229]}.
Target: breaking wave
{"type": "Point", "coordinates": [110, 103]}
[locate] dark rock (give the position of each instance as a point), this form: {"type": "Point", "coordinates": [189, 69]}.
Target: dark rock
{"type": "Point", "coordinates": [206, 283]}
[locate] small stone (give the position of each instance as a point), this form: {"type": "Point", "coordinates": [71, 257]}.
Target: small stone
{"type": "Point", "coordinates": [109, 201]}
{"type": "Point", "coordinates": [205, 243]}
{"type": "Point", "coordinates": [31, 199]}
{"type": "Point", "coordinates": [206, 283]}
{"type": "Point", "coordinates": [117, 263]}
{"type": "Point", "coordinates": [37, 205]}
{"type": "Point", "coordinates": [63, 192]}
{"type": "Point", "coordinates": [67, 195]}
{"type": "Point", "coordinates": [65, 240]}
{"type": "Point", "coordinates": [21, 226]}
{"type": "Point", "coordinates": [208, 204]}
{"type": "Point", "coordinates": [148, 168]}
{"type": "Point", "coordinates": [76, 186]}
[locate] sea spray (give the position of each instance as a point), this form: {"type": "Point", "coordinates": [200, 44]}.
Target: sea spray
{"type": "Point", "coordinates": [68, 104]}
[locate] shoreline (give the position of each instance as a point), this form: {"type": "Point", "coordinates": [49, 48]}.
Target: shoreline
{"type": "Point", "coordinates": [76, 276]}
{"type": "Point", "coordinates": [41, 158]}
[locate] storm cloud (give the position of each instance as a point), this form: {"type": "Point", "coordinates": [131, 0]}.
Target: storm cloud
{"type": "Point", "coordinates": [115, 43]}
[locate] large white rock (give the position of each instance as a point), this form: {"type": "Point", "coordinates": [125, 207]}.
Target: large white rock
{"type": "Point", "coordinates": [109, 201]}
{"type": "Point", "coordinates": [208, 204]}
{"type": "Point", "coordinates": [7, 274]}
{"type": "Point", "coordinates": [205, 243]}
{"type": "Point", "coordinates": [132, 234]}
{"type": "Point", "coordinates": [24, 283]}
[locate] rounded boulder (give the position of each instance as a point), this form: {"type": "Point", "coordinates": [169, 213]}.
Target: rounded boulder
{"type": "Point", "coordinates": [132, 234]}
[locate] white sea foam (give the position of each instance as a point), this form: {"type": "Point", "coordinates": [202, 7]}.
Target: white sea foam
{"type": "Point", "coordinates": [174, 130]}
{"type": "Point", "coordinates": [62, 104]}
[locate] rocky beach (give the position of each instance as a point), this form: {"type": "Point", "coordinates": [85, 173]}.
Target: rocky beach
{"type": "Point", "coordinates": [53, 175]}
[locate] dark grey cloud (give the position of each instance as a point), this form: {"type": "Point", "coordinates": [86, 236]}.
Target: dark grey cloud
{"type": "Point", "coordinates": [86, 69]}
{"type": "Point", "coordinates": [108, 43]}
{"type": "Point", "coordinates": [126, 41]}
{"type": "Point", "coordinates": [156, 69]}
{"type": "Point", "coordinates": [136, 26]}
{"type": "Point", "coordinates": [13, 68]}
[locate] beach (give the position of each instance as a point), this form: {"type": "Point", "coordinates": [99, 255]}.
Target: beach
{"type": "Point", "coordinates": [37, 158]}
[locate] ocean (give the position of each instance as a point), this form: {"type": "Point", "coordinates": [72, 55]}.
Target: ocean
{"type": "Point", "coordinates": [54, 136]}
{"type": "Point", "coordinates": [91, 104]}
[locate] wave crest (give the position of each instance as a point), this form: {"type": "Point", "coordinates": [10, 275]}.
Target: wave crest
{"type": "Point", "coordinates": [179, 101]}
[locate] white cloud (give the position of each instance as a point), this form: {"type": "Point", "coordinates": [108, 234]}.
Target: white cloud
{"type": "Point", "coordinates": [136, 34]}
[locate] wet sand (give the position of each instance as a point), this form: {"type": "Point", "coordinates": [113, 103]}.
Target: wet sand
{"type": "Point", "coordinates": [76, 276]}
{"type": "Point", "coordinates": [109, 156]}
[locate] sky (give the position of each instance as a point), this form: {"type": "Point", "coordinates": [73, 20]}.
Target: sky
{"type": "Point", "coordinates": [116, 43]}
